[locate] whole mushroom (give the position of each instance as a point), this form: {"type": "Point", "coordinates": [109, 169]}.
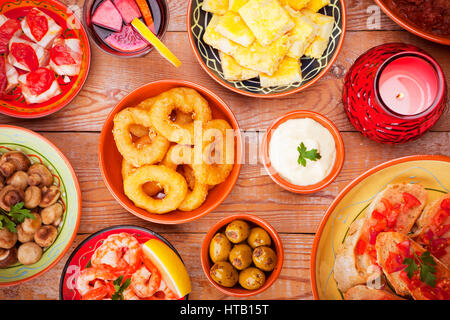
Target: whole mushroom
{"type": "Point", "coordinates": [32, 225]}
{"type": "Point", "coordinates": [33, 196]}
{"type": "Point", "coordinates": [39, 175]}
{"type": "Point", "coordinates": [29, 253]}
{"type": "Point", "coordinates": [9, 196]}
{"type": "Point", "coordinates": [8, 257]}
{"type": "Point", "coordinates": [52, 214]}
{"type": "Point", "coordinates": [13, 161]}
{"type": "Point", "coordinates": [49, 196]}
{"type": "Point", "coordinates": [2, 181]}
{"type": "Point", "coordinates": [19, 180]}
{"type": "Point", "coordinates": [45, 236]}
{"type": "Point", "coordinates": [7, 238]}
{"type": "Point", "coordinates": [23, 236]}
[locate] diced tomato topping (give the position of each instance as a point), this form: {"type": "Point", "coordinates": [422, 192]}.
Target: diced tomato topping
{"type": "Point", "coordinates": [394, 263]}
{"type": "Point", "coordinates": [410, 201]}
{"type": "Point", "coordinates": [442, 229]}
{"type": "Point", "coordinates": [378, 215]}
{"type": "Point", "coordinates": [372, 254]}
{"type": "Point", "coordinates": [373, 233]}
{"type": "Point", "coordinates": [7, 30]}
{"type": "Point", "coordinates": [38, 25]}
{"type": "Point", "coordinates": [404, 277]}
{"type": "Point", "coordinates": [25, 55]}
{"type": "Point", "coordinates": [392, 217]}
{"type": "Point", "coordinates": [387, 204]}
{"type": "Point", "coordinates": [40, 80]}
{"type": "Point", "coordinates": [404, 248]}
{"type": "Point", "coordinates": [440, 217]}
{"type": "Point", "coordinates": [444, 286]}
{"type": "Point", "coordinates": [60, 55]}
{"type": "Point", "coordinates": [438, 247]}
{"type": "Point", "coordinates": [361, 247]}
{"type": "Point", "coordinates": [445, 204]}
{"type": "Point", "coordinates": [432, 293]}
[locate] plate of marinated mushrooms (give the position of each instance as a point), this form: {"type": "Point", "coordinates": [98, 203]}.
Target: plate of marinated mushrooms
{"type": "Point", "coordinates": [40, 205]}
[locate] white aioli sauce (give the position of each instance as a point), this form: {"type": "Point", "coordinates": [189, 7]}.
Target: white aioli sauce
{"type": "Point", "coordinates": [283, 151]}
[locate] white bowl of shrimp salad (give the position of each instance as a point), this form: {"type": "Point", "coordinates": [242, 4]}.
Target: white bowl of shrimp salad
{"type": "Point", "coordinates": [116, 264]}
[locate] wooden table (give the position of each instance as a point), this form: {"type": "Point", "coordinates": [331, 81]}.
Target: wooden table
{"type": "Point", "coordinates": [76, 130]}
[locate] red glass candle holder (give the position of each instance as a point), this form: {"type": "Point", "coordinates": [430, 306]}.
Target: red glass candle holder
{"type": "Point", "coordinates": [366, 109]}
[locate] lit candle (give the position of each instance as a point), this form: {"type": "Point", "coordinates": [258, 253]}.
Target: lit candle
{"type": "Point", "coordinates": [408, 85]}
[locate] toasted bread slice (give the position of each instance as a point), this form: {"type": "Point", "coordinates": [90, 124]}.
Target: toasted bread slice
{"type": "Point", "coordinates": [263, 59]}
{"type": "Point", "coordinates": [394, 196]}
{"type": "Point", "coordinates": [288, 72]}
{"type": "Point", "coordinates": [234, 28]}
{"type": "Point", "coordinates": [325, 28]}
{"type": "Point", "coordinates": [361, 292]}
{"type": "Point", "coordinates": [235, 5]}
{"type": "Point", "coordinates": [346, 273]}
{"type": "Point", "coordinates": [232, 71]}
{"type": "Point", "coordinates": [302, 35]}
{"type": "Point", "coordinates": [217, 40]}
{"type": "Point", "coordinates": [316, 5]}
{"type": "Point", "coordinates": [432, 229]}
{"type": "Point", "coordinates": [385, 245]}
{"type": "Point", "coordinates": [215, 6]}
{"type": "Point", "coordinates": [267, 20]}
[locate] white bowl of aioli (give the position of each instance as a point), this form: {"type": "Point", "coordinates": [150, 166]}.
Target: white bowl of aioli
{"type": "Point", "coordinates": [280, 155]}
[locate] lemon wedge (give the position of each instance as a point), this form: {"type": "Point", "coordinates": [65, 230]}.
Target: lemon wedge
{"type": "Point", "coordinates": [150, 37]}
{"type": "Point", "coordinates": [172, 269]}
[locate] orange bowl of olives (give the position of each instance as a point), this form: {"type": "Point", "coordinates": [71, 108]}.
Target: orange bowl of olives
{"type": "Point", "coordinates": [242, 255]}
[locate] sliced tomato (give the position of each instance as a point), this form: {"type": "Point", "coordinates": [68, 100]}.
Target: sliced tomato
{"type": "Point", "coordinates": [392, 217]}
{"type": "Point", "coordinates": [394, 263]}
{"type": "Point", "coordinates": [38, 25]}
{"type": "Point", "coordinates": [361, 247]}
{"type": "Point", "coordinates": [445, 204]}
{"type": "Point", "coordinates": [410, 201]}
{"type": "Point", "coordinates": [40, 80]}
{"type": "Point", "coordinates": [25, 55]}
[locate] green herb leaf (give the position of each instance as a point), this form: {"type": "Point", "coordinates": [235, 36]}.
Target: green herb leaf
{"type": "Point", "coordinates": [5, 222]}
{"type": "Point", "coordinates": [19, 214]}
{"type": "Point", "coordinates": [120, 287]}
{"type": "Point", "coordinates": [427, 269]}
{"type": "Point", "coordinates": [304, 154]}
{"type": "Point", "coordinates": [411, 267]}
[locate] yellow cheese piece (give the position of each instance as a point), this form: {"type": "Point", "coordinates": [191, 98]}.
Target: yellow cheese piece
{"type": "Point", "coordinates": [266, 19]}
{"type": "Point", "coordinates": [263, 59]}
{"type": "Point", "coordinates": [316, 5]}
{"type": "Point", "coordinates": [325, 29]}
{"type": "Point", "coordinates": [217, 40]}
{"type": "Point", "coordinates": [235, 5]}
{"type": "Point", "coordinates": [288, 73]}
{"type": "Point", "coordinates": [302, 35]}
{"type": "Point", "coordinates": [219, 7]}
{"type": "Point", "coordinates": [234, 28]}
{"type": "Point", "coordinates": [232, 71]}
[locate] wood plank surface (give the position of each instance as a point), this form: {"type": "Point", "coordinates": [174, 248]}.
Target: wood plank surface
{"type": "Point", "coordinates": [75, 130]}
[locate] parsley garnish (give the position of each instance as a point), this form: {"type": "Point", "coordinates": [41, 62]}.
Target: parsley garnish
{"type": "Point", "coordinates": [304, 154]}
{"type": "Point", "coordinates": [427, 269]}
{"type": "Point", "coordinates": [120, 287]}
{"type": "Point", "coordinates": [17, 213]}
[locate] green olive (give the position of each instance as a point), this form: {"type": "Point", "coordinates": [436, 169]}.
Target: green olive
{"type": "Point", "coordinates": [251, 278]}
{"type": "Point", "coordinates": [258, 237]}
{"type": "Point", "coordinates": [219, 248]}
{"type": "Point", "coordinates": [264, 258]}
{"type": "Point", "coordinates": [224, 274]}
{"type": "Point", "coordinates": [237, 231]}
{"type": "Point", "coordinates": [241, 256]}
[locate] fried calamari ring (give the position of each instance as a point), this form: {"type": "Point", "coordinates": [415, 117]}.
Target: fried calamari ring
{"type": "Point", "coordinates": [186, 100]}
{"type": "Point", "coordinates": [216, 155]}
{"type": "Point", "coordinates": [150, 188]}
{"type": "Point", "coordinates": [173, 183]}
{"type": "Point", "coordinates": [150, 153]}
{"type": "Point", "coordinates": [179, 157]}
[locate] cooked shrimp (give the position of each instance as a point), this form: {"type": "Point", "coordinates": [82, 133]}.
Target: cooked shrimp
{"type": "Point", "coordinates": [93, 283]}
{"type": "Point", "coordinates": [128, 294]}
{"type": "Point", "coordinates": [146, 280]}
{"type": "Point", "coordinates": [119, 252]}
{"type": "Point", "coordinates": [164, 293]}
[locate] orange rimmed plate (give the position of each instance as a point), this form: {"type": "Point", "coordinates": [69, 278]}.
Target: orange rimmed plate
{"type": "Point", "coordinates": [431, 171]}
{"type": "Point", "coordinates": [408, 25]}
{"type": "Point", "coordinates": [312, 69]}
{"type": "Point", "coordinates": [13, 104]}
